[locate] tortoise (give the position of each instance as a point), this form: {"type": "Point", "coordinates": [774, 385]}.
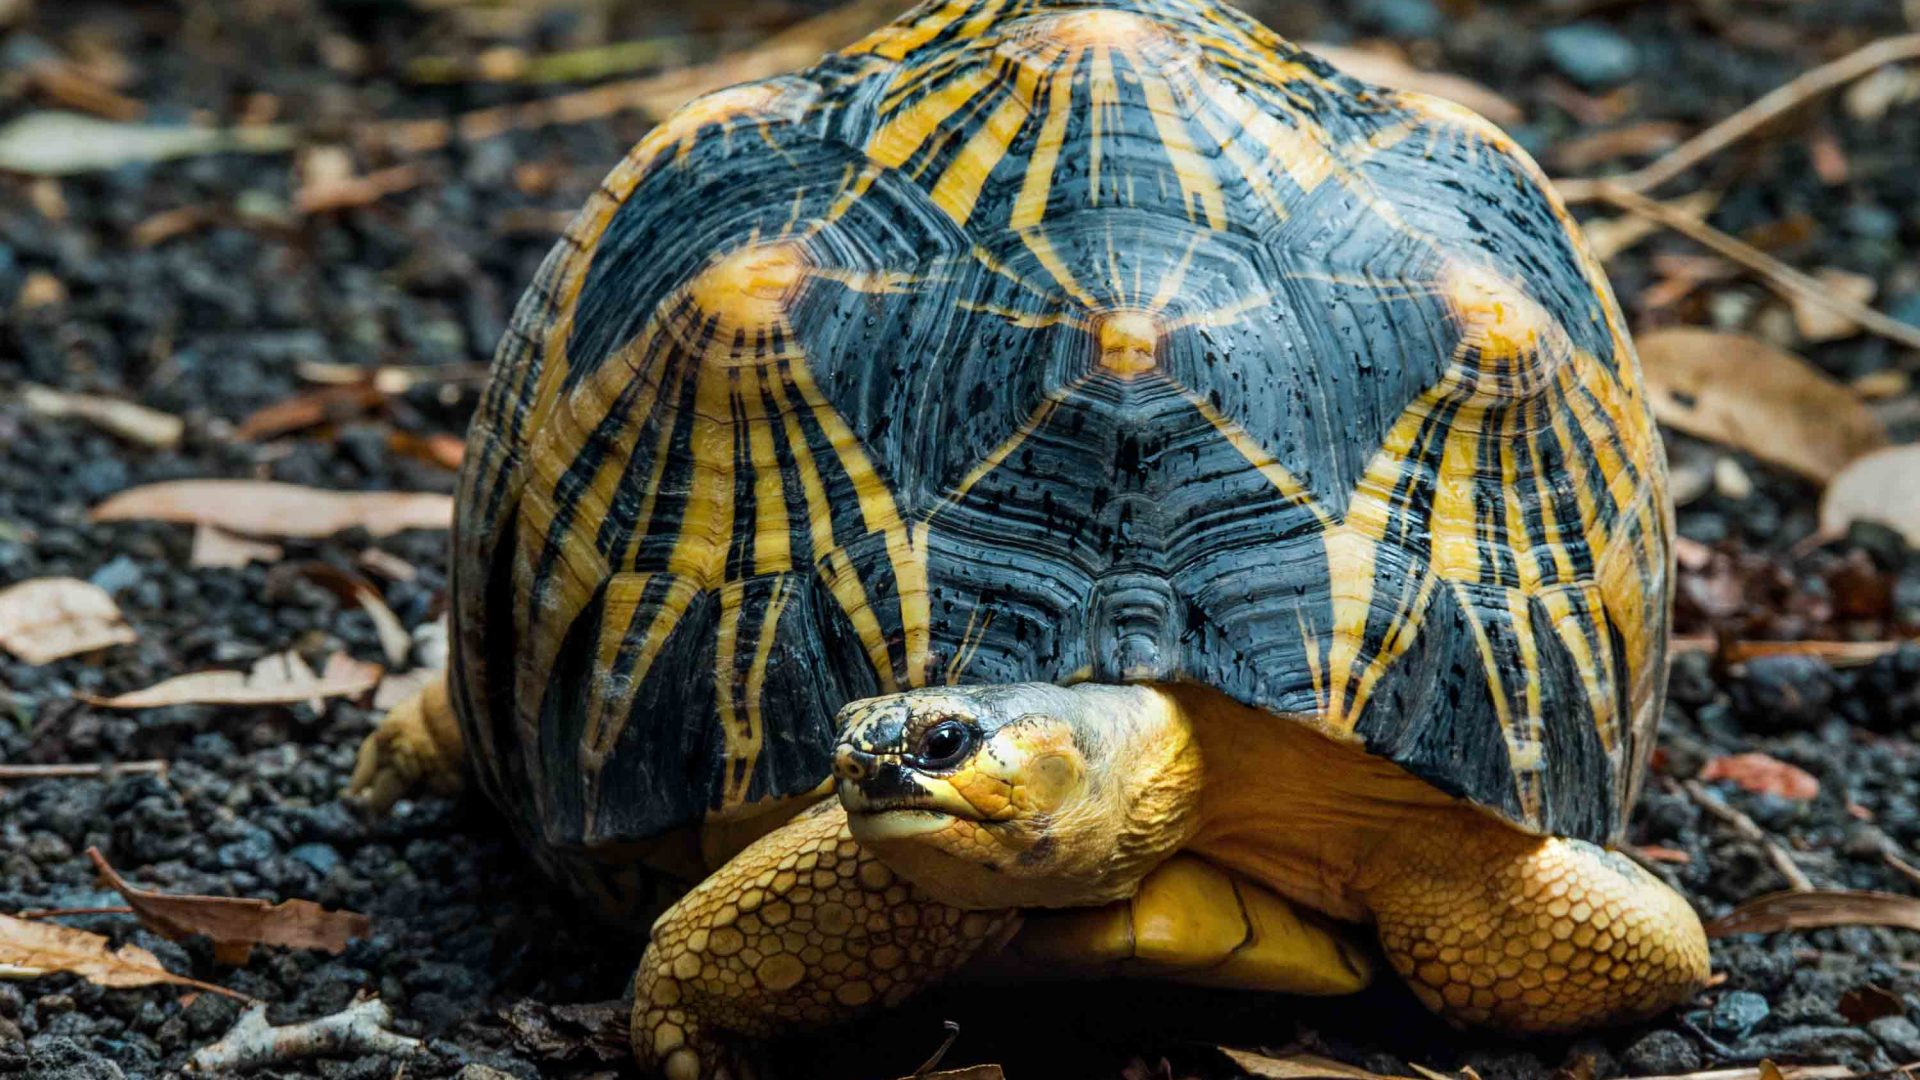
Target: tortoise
{"type": "Point", "coordinates": [1177, 497]}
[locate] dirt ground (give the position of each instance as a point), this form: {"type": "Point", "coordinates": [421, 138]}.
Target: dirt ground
{"type": "Point", "coordinates": [207, 288]}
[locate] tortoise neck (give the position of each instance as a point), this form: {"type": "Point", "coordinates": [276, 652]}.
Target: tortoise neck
{"type": "Point", "coordinates": [1289, 807]}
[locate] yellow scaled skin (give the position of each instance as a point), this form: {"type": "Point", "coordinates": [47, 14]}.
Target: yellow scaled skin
{"type": "Point", "coordinates": [1490, 925]}
{"type": "Point", "coordinates": [803, 927]}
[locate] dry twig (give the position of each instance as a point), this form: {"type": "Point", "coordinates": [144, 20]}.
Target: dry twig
{"type": "Point", "coordinates": [1749, 830]}
{"type": "Point", "coordinates": [1782, 278]}
{"type": "Point", "coordinates": [65, 771]}
{"type": "Point", "coordinates": [359, 1029]}
{"type": "Point", "coordinates": [1762, 111]}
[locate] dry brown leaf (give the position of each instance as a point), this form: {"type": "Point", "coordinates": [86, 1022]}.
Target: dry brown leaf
{"type": "Point", "coordinates": [1811, 909]}
{"type": "Point", "coordinates": [29, 949]}
{"type": "Point", "coordinates": [1762, 775]}
{"type": "Point", "coordinates": [1662, 854]}
{"type": "Point", "coordinates": [281, 679]}
{"type": "Point", "coordinates": [439, 448]}
{"type": "Point", "coordinates": [1741, 392]}
{"type": "Point", "coordinates": [1384, 69]}
{"type": "Point", "coordinates": [235, 925]}
{"type": "Point", "coordinates": [1298, 1067]}
{"type": "Point", "coordinates": [265, 508]}
{"type": "Point", "coordinates": [213, 546]}
{"type": "Point", "coordinates": [328, 404]}
{"type": "Point", "coordinates": [970, 1072]}
{"type": "Point", "coordinates": [1818, 322]}
{"type": "Point", "coordinates": [1882, 487]}
{"type": "Point", "coordinates": [135, 423]}
{"type": "Point", "coordinates": [49, 619]}
{"type": "Point", "coordinates": [346, 193]}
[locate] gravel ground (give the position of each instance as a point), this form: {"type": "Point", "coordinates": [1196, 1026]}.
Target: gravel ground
{"type": "Point", "coordinates": [216, 321]}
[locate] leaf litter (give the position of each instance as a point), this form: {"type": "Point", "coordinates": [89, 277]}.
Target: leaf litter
{"type": "Point", "coordinates": [1741, 392]}
{"type": "Point", "coordinates": [268, 508]}
{"type": "Point", "coordinates": [280, 679]}
{"type": "Point", "coordinates": [49, 619]}
{"type": "Point", "coordinates": [235, 925]}
{"type": "Point", "coordinates": [30, 948]}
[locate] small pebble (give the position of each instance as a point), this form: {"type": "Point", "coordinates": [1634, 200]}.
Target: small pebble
{"type": "Point", "coordinates": [1662, 1053]}
{"type": "Point", "coordinates": [1401, 18]}
{"type": "Point", "coordinates": [1592, 56]}
{"type": "Point", "coordinates": [1899, 1035]}
{"type": "Point", "coordinates": [1870, 221]}
{"type": "Point", "coordinates": [1736, 1014]}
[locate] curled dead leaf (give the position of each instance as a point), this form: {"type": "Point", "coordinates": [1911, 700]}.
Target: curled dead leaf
{"type": "Point", "coordinates": [265, 508]}
{"type": "Point", "coordinates": [281, 679]}
{"type": "Point", "coordinates": [1762, 775]}
{"type": "Point", "coordinates": [1881, 487]}
{"type": "Point", "coordinates": [49, 619]}
{"type": "Point", "coordinates": [1812, 909]}
{"type": "Point", "coordinates": [235, 925]}
{"type": "Point", "coordinates": [1741, 392]}
{"type": "Point", "coordinates": [29, 949]}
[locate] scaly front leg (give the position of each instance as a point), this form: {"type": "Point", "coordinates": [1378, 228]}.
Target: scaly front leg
{"type": "Point", "coordinates": [801, 929]}
{"type": "Point", "coordinates": [1493, 927]}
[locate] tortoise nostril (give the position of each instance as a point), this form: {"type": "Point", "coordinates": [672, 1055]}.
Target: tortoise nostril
{"type": "Point", "coordinates": [852, 763]}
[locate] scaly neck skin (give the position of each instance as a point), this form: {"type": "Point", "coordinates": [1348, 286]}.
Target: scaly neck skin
{"type": "Point", "coordinates": [1291, 808]}
{"type": "Point", "coordinates": [1145, 765]}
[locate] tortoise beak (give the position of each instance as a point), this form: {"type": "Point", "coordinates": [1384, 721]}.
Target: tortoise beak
{"type": "Point", "coordinates": [873, 783]}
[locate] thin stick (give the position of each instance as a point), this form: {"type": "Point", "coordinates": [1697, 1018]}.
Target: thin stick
{"type": "Point", "coordinates": [57, 772]}
{"type": "Point", "coordinates": [1763, 110]}
{"type": "Point", "coordinates": [1746, 827]}
{"type": "Point", "coordinates": [1902, 867]}
{"type": "Point", "coordinates": [1784, 279]}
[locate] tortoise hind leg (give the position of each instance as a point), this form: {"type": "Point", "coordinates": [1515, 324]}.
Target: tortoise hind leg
{"type": "Point", "coordinates": [416, 747]}
{"type": "Point", "coordinates": [1194, 922]}
{"type": "Point", "coordinates": [803, 928]}
{"type": "Point", "coordinates": [1491, 926]}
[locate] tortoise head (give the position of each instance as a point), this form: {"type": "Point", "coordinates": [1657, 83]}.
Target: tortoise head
{"type": "Point", "coordinates": [1024, 795]}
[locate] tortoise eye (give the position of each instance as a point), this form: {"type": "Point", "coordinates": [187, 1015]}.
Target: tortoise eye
{"type": "Point", "coordinates": [944, 745]}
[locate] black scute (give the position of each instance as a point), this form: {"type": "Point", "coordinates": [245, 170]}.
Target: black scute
{"type": "Point", "coordinates": [1433, 712]}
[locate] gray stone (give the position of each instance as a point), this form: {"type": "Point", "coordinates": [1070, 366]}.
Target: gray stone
{"type": "Point", "coordinates": [1591, 55]}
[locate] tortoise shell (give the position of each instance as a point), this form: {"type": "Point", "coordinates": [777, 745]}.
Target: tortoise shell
{"type": "Point", "coordinates": [1027, 340]}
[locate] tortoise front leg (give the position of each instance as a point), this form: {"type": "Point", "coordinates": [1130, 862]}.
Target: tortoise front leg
{"type": "Point", "coordinates": [1493, 927]}
{"type": "Point", "coordinates": [416, 747]}
{"type": "Point", "coordinates": [803, 928]}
